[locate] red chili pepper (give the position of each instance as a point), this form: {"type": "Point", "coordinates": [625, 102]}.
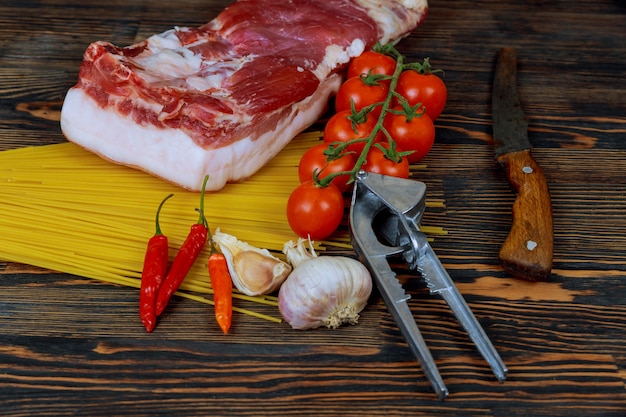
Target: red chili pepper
{"type": "Point", "coordinates": [222, 290]}
{"type": "Point", "coordinates": [186, 256]}
{"type": "Point", "coordinates": [154, 270]}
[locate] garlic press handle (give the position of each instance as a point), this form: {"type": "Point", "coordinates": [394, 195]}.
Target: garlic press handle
{"type": "Point", "coordinates": [396, 300]}
{"type": "Point", "coordinates": [439, 282]}
{"type": "Point", "coordinates": [374, 255]}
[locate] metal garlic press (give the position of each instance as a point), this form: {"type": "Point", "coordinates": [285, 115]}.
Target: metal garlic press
{"type": "Point", "coordinates": [385, 218]}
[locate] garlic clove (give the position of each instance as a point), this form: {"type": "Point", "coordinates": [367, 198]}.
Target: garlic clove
{"type": "Point", "coordinates": [254, 271]}
{"type": "Point", "coordinates": [267, 274]}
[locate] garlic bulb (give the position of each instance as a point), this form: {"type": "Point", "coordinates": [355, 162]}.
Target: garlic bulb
{"type": "Point", "coordinates": [254, 271]}
{"type": "Point", "coordinates": [322, 290]}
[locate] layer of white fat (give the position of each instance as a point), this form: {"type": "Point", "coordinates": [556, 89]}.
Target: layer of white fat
{"type": "Point", "coordinates": [171, 154]}
{"type": "Point", "coordinates": [393, 26]}
{"type": "Point", "coordinates": [335, 56]}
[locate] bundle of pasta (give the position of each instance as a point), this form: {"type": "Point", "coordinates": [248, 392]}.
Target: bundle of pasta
{"type": "Point", "coordinates": [65, 209]}
{"type": "Point", "coordinates": [93, 219]}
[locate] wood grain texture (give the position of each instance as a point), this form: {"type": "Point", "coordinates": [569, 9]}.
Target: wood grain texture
{"type": "Point", "coordinates": [75, 346]}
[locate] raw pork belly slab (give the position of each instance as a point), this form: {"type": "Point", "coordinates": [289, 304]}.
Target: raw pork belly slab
{"type": "Point", "coordinates": [223, 99]}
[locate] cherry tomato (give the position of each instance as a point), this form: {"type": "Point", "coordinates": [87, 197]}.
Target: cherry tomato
{"type": "Point", "coordinates": [339, 129]}
{"type": "Point", "coordinates": [314, 158]}
{"type": "Point", "coordinates": [417, 135]}
{"type": "Point", "coordinates": [314, 212]}
{"type": "Point", "coordinates": [372, 61]}
{"type": "Point", "coordinates": [356, 90]}
{"type": "Point", "coordinates": [378, 163]}
{"type": "Point", "coordinates": [428, 89]}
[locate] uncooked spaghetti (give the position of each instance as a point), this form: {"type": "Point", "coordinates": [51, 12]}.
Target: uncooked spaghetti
{"type": "Point", "coordinates": [65, 209]}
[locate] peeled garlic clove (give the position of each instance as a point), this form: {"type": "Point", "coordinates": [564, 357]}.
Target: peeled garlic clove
{"type": "Point", "coordinates": [254, 271]}
{"type": "Point", "coordinates": [323, 290]}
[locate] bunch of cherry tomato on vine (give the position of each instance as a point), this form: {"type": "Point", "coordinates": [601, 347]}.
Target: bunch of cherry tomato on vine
{"type": "Point", "coordinates": [383, 122]}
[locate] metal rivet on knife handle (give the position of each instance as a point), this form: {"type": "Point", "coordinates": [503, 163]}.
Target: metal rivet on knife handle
{"type": "Point", "coordinates": [527, 252]}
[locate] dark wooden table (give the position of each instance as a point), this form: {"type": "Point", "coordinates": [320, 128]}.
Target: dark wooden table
{"type": "Point", "coordinates": [69, 347]}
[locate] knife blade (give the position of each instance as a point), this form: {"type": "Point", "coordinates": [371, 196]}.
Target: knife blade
{"type": "Point", "coordinates": [528, 249]}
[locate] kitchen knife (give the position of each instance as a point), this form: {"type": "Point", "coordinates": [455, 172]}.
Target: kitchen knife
{"type": "Point", "coordinates": [527, 251]}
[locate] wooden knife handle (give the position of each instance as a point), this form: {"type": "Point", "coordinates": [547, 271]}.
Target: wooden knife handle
{"type": "Point", "coordinates": [527, 251]}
